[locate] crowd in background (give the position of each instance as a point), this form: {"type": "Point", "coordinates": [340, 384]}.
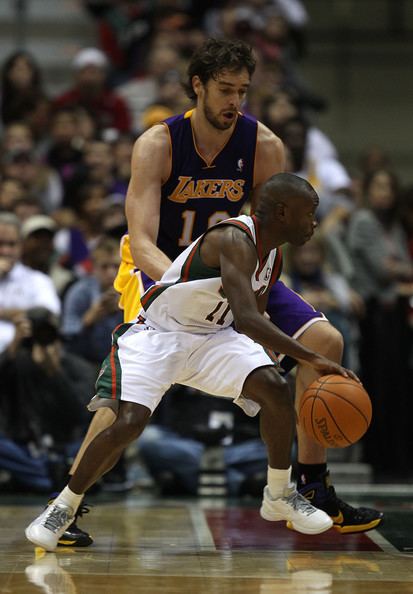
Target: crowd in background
{"type": "Point", "coordinates": [64, 172]}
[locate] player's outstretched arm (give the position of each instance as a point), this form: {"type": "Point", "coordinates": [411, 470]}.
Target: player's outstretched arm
{"type": "Point", "coordinates": [237, 257]}
{"type": "Point", "coordinates": [150, 169]}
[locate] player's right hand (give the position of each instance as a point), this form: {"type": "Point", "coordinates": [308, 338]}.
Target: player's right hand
{"type": "Point", "coordinates": [326, 366]}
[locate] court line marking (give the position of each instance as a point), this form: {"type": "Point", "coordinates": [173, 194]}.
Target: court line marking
{"type": "Point", "coordinates": [382, 542]}
{"type": "Point", "coordinates": [378, 489]}
{"type": "Point", "coordinates": [201, 528]}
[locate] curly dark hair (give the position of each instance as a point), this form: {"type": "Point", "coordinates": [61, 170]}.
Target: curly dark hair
{"type": "Point", "coordinates": [216, 55]}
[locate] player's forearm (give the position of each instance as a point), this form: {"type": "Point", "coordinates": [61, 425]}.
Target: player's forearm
{"type": "Point", "coordinates": [149, 258]}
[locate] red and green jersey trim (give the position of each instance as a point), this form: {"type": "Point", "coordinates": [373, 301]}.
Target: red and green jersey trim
{"type": "Point", "coordinates": [108, 383]}
{"type": "Point", "coordinates": [193, 268]}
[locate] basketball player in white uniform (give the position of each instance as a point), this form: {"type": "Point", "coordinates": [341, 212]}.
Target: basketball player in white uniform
{"type": "Point", "coordinates": [203, 325]}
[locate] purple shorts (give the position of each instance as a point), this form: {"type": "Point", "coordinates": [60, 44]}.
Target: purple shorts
{"type": "Point", "coordinates": [287, 310]}
{"type": "Point", "coordinates": [291, 314]}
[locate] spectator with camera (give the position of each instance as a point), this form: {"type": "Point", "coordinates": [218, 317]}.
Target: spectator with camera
{"type": "Point", "coordinates": [43, 394]}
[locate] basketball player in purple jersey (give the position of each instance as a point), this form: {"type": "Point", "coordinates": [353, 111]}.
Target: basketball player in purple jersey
{"type": "Point", "coordinates": [201, 167]}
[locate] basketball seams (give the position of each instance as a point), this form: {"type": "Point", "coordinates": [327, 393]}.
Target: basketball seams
{"type": "Point", "coordinates": [312, 418]}
{"type": "Point", "coordinates": [345, 381]}
{"type": "Point", "coordinates": [307, 396]}
{"type": "Point", "coordinates": [318, 403]}
{"type": "Point", "coordinates": [334, 420]}
{"type": "Point", "coordinates": [362, 414]}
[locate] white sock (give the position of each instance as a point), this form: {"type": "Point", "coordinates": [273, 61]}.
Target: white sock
{"type": "Point", "coordinates": [67, 497]}
{"type": "Point", "coordinates": [278, 480]}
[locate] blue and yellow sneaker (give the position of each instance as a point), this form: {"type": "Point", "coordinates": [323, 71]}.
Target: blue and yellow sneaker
{"type": "Point", "coordinates": [346, 519]}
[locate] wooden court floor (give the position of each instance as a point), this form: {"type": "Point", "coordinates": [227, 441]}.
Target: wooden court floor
{"type": "Point", "coordinates": [147, 545]}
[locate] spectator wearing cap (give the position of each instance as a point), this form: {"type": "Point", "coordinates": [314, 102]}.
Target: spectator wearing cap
{"type": "Point", "coordinates": [20, 286]}
{"type": "Point", "coordinates": [39, 253]}
{"type": "Point", "coordinates": [90, 91]}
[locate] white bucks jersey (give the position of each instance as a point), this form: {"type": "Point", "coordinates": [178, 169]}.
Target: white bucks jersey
{"type": "Point", "coordinates": [189, 297]}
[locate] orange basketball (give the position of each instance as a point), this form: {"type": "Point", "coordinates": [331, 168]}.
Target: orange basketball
{"type": "Point", "coordinates": [335, 411]}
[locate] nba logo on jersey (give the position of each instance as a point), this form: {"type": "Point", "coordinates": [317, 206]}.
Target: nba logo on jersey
{"type": "Point", "coordinates": [240, 164]}
{"type": "Point", "coordinates": [267, 274]}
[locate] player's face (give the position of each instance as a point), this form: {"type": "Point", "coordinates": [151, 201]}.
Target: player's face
{"type": "Point", "coordinates": [303, 220]}
{"type": "Point", "coordinates": [222, 97]}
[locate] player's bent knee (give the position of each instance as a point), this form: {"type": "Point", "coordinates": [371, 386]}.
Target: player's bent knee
{"type": "Point", "coordinates": [131, 421]}
{"type": "Point", "coordinates": [265, 386]}
{"type": "Point", "coordinates": [325, 339]}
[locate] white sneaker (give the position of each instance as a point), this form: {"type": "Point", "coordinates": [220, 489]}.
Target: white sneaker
{"type": "Point", "coordinates": [296, 509]}
{"type": "Point", "coordinates": [47, 528]}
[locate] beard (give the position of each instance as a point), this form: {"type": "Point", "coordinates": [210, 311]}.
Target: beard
{"type": "Point", "coordinates": [213, 118]}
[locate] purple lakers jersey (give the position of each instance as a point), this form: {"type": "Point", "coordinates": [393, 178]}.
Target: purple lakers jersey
{"type": "Point", "coordinates": [198, 193]}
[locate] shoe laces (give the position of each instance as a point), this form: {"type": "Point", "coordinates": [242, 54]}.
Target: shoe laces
{"type": "Point", "coordinates": [300, 503]}
{"type": "Point", "coordinates": [57, 517]}
{"type": "Point", "coordinates": [84, 508]}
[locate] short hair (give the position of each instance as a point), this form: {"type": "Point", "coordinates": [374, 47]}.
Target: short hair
{"type": "Point", "coordinates": [106, 246]}
{"type": "Point", "coordinates": [282, 187]}
{"type": "Point", "coordinates": [10, 219]}
{"type": "Point", "coordinates": [216, 55]}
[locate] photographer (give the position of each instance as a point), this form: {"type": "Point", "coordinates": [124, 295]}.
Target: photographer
{"type": "Point", "coordinates": [42, 403]}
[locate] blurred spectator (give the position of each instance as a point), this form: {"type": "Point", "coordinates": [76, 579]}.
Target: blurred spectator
{"type": "Point", "coordinates": [90, 90]}
{"type": "Point", "coordinates": [372, 158]}
{"type": "Point", "coordinates": [64, 152]}
{"type": "Point", "coordinates": [83, 228]}
{"type": "Point", "coordinates": [140, 92]}
{"type": "Point", "coordinates": [382, 271]}
{"type": "Point", "coordinates": [296, 16]}
{"type": "Point", "coordinates": [86, 125]}
{"type": "Point", "coordinates": [39, 253]}
{"type": "Point", "coordinates": [114, 223]}
{"type": "Point", "coordinates": [334, 228]}
{"type": "Point", "coordinates": [43, 397]}
{"type": "Point", "coordinates": [17, 136]}
{"type": "Point", "coordinates": [283, 105]}
{"type": "Point", "coordinates": [20, 287]}
{"type": "Point", "coordinates": [122, 149]}
{"type": "Point", "coordinates": [21, 86]}
{"type": "Point", "coordinates": [97, 167]}
{"type": "Point", "coordinates": [90, 307]}
{"type": "Point", "coordinates": [40, 181]}
{"type": "Point", "coordinates": [171, 93]}
{"type": "Point", "coordinates": [173, 446]}
{"type": "Point", "coordinates": [11, 192]}
{"type": "Point", "coordinates": [327, 175]}
{"type": "Point", "coordinates": [124, 31]}
{"type": "Point", "coordinates": [154, 114]}
{"type": "Point", "coordinates": [26, 207]}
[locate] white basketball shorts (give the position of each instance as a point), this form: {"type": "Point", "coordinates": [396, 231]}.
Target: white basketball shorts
{"type": "Point", "coordinates": [145, 362]}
